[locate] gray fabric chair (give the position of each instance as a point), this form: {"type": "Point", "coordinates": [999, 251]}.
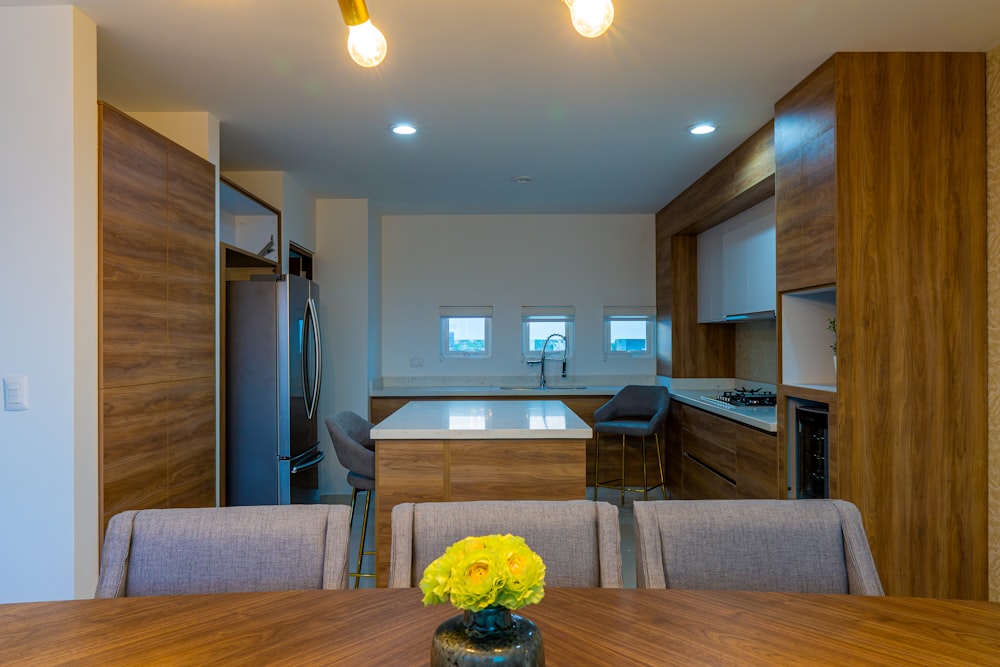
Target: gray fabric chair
{"type": "Point", "coordinates": [351, 436]}
{"type": "Point", "coordinates": [636, 411]}
{"type": "Point", "coordinates": [805, 546]}
{"type": "Point", "coordinates": [224, 550]}
{"type": "Point", "coordinates": [579, 540]}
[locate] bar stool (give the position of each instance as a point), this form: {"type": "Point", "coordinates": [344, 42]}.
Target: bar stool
{"type": "Point", "coordinates": [351, 436]}
{"type": "Point", "coordinates": [636, 411]}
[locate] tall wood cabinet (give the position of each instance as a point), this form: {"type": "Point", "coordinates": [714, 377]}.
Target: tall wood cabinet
{"type": "Point", "coordinates": [156, 339]}
{"type": "Point", "coordinates": [880, 184]}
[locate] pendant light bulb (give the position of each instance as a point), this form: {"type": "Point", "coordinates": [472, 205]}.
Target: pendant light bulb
{"type": "Point", "coordinates": [366, 44]}
{"type": "Point", "coordinates": [591, 18]}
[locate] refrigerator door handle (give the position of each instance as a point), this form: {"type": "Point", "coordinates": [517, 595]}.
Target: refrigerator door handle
{"type": "Point", "coordinates": [310, 462]}
{"type": "Point", "coordinates": [312, 397]}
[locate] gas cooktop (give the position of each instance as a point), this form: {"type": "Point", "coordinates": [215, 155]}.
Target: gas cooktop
{"type": "Point", "coordinates": [744, 398]}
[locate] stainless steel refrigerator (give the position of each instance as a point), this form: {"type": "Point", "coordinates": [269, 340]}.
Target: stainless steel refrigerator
{"type": "Point", "coordinates": [273, 372]}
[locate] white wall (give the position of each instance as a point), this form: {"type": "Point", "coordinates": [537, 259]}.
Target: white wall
{"type": "Point", "coordinates": [585, 261]}
{"type": "Point", "coordinates": [344, 269]}
{"type": "Point", "coordinates": [48, 218]}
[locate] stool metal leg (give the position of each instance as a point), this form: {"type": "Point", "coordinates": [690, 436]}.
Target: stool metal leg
{"type": "Point", "coordinates": [597, 462]}
{"type": "Point", "coordinates": [623, 470]}
{"type": "Point", "coordinates": [358, 574]}
{"type": "Point", "coordinates": [645, 484]}
{"type": "Point", "coordinates": [659, 463]}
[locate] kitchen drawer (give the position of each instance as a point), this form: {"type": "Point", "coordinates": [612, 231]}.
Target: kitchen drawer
{"type": "Point", "coordinates": [712, 440]}
{"type": "Point", "coordinates": [757, 466]}
{"type": "Point", "coordinates": [702, 483]}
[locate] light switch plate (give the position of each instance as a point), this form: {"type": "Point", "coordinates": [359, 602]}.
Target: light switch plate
{"type": "Point", "coordinates": [15, 392]}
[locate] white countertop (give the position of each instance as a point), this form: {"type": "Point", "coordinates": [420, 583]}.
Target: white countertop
{"type": "Point", "coordinates": [482, 420]}
{"type": "Point", "coordinates": [764, 418]}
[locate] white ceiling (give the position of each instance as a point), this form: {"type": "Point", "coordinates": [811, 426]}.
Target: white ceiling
{"type": "Point", "coordinates": [498, 89]}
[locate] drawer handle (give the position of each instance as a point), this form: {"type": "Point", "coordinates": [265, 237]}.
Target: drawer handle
{"type": "Point", "coordinates": [710, 469]}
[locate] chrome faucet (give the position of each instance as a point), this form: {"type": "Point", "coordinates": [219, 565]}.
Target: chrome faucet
{"type": "Point", "coordinates": [541, 359]}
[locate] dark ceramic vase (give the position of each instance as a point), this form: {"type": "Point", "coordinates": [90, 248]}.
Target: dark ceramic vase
{"type": "Point", "coordinates": [493, 636]}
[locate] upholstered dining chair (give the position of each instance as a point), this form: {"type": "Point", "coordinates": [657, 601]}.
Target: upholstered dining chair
{"type": "Point", "coordinates": [579, 540]}
{"type": "Point", "coordinates": [351, 436]}
{"type": "Point", "coordinates": [637, 411]}
{"type": "Point", "coordinates": [224, 550]}
{"type": "Point", "coordinates": [804, 546]}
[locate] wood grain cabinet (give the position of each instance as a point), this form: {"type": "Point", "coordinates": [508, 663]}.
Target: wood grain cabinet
{"type": "Point", "coordinates": [880, 185]}
{"type": "Point", "coordinates": [156, 344]}
{"type": "Point", "coordinates": [722, 459]}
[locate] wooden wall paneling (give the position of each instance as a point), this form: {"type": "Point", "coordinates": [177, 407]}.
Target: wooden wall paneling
{"type": "Point", "coordinates": [156, 343]}
{"type": "Point", "coordinates": [132, 294]}
{"type": "Point", "coordinates": [190, 264]}
{"type": "Point", "coordinates": [911, 314]}
{"type": "Point", "coordinates": [805, 182]}
{"type": "Point", "coordinates": [191, 443]}
{"type": "Point", "coordinates": [135, 426]}
{"type": "Point", "coordinates": [741, 180]}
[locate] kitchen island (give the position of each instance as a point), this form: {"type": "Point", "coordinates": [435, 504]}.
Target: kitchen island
{"type": "Point", "coordinates": [435, 451]}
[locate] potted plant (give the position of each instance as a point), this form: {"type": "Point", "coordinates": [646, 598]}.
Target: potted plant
{"type": "Point", "coordinates": [831, 325]}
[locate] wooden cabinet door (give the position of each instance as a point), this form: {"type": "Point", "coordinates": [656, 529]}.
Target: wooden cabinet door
{"type": "Point", "coordinates": [805, 182]}
{"type": "Point", "coordinates": [133, 317]}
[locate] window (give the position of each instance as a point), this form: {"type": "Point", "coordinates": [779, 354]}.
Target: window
{"type": "Point", "coordinates": [628, 331]}
{"type": "Point", "coordinates": [546, 323]}
{"type": "Point", "coordinates": [466, 332]}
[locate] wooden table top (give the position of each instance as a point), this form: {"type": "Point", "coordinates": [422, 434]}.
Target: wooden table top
{"type": "Point", "coordinates": [578, 626]}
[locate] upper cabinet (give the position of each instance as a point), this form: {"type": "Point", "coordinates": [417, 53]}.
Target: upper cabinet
{"type": "Point", "coordinates": [748, 263]}
{"type": "Point", "coordinates": [736, 267]}
{"type": "Point", "coordinates": [249, 228]}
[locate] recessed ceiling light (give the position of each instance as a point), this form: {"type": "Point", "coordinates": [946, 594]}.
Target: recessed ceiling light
{"type": "Point", "coordinates": [403, 128]}
{"type": "Point", "coordinates": [702, 128]}
{"type": "Point", "coordinates": [521, 180]}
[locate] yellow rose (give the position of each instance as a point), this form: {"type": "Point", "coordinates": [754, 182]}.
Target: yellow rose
{"type": "Point", "coordinates": [477, 572]}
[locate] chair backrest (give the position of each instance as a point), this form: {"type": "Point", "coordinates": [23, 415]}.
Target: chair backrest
{"type": "Point", "coordinates": [351, 436]}
{"type": "Point", "coordinates": [807, 546]}
{"type": "Point", "coordinates": [224, 550]}
{"type": "Point", "coordinates": [635, 401]}
{"type": "Point", "coordinates": [579, 540]}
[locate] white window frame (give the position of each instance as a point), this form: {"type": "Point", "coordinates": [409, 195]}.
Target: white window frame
{"type": "Point", "coordinates": [563, 314]}
{"type": "Point", "coordinates": [646, 314]}
{"type": "Point", "coordinates": [448, 313]}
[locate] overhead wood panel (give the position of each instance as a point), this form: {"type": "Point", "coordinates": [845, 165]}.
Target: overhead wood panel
{"type": "Point", "coordinates": [133, 250]}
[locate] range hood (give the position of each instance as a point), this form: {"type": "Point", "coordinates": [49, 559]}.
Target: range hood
{"type": "Point", "coordinates": [759, 315]}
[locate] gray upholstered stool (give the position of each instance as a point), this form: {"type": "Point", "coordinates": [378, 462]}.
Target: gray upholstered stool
{"type": "Point", "coordinates": [635, 411]}
{"type": "Point", "coordinates": [351, 436]}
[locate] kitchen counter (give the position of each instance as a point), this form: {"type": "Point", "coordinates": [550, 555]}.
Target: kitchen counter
{"type": "Point", "coordinates": [482, 420]}
{"type": "Point", "coordinates": [691, 391]}
{"type": "Point", "coordinates": [457, 450]}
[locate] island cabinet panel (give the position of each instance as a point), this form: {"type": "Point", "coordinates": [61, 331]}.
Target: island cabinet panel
{"type": "Point", "coordinates": [908, 236]}
{"type": "Point", "coordinates": [721, 458]}
{"type": "Point", "coordinates": [418, 471]}
{"type": "Point", "coordinates": [156, 338]}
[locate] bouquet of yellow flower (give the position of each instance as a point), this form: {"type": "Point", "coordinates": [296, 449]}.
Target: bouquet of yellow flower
{"type": "Point", "coordinates": [479, 572]}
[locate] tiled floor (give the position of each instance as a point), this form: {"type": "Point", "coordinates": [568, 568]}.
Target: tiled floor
{"type": "Point", "coordinates": [608, 495]}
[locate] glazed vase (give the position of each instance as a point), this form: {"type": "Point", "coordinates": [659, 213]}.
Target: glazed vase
{"type": "Point", "coordinates": [493, 636]}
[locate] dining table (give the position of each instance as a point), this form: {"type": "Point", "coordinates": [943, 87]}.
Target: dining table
{"type": "Point", "coordinates": [582, 626]}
